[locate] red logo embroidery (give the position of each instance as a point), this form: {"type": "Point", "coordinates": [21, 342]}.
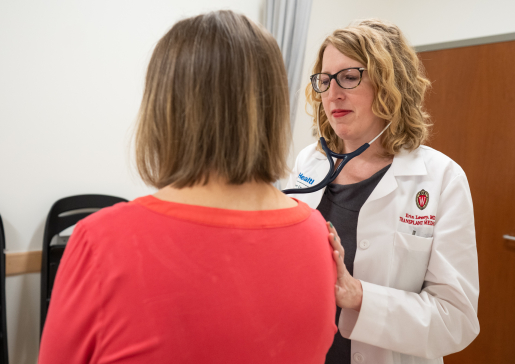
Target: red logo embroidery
{"type": "Point", "coordinates": [422, 199]}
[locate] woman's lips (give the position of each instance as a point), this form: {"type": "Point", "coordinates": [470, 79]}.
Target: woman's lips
{"type": "Point", "coordinates": [338, 113]}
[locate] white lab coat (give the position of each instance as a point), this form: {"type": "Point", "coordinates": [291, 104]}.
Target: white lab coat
{"type": "Point", "coordinates": [420, 282]}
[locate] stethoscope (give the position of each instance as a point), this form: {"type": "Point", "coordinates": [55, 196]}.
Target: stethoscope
{"type": "Point", "coordinates": [333, 173]}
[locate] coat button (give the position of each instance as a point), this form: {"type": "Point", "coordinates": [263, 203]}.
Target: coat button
{"type": "Point", "coordinates": [359, 358]}
{"type": "Point", "coordinates": [364, 244]}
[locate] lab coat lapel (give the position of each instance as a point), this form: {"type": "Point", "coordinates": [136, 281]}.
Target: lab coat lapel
{"type": "Point", "coordinates": [409, 164]}
{"type": "Point", "coordinates": [404, 164]}
{"type": "Point", "coordinates": [386, 185]}
{"type": "Point", "coordinates": [323, 168]}
{"type": "Point", "coordinates": [317, 171]}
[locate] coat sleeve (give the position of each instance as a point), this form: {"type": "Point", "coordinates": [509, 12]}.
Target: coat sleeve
{"type": "Point", "coordinates": [442, 318]}
{"type": "Point", "coordinates": [71, 330]}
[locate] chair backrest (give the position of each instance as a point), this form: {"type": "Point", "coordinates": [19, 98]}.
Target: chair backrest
{"type": "Point", "coordinates": [4, 355]}
{"type": "Point", "coordinates": [64, 213]}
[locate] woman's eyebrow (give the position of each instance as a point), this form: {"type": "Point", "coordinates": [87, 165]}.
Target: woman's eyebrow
{"type": "Point", "coordinates": [340, 69]}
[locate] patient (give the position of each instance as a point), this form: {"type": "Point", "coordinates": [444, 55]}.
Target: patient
{"type": "Point", "coordinates": [218, 266]}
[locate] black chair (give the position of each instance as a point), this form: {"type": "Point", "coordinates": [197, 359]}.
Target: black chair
{"type": "Point", "coordinates": [4, 355]}
{"type": "Point", "coordinates": [64, 214]}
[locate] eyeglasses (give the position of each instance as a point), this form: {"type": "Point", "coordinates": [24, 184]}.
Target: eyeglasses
{"type": "Point", "coordinates": [347, 78]}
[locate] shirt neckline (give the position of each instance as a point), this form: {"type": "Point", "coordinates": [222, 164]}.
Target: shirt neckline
{"type": "Point", "coordinates": [227, 218]}
{"type": "Point", "coordinates": [350, 185]}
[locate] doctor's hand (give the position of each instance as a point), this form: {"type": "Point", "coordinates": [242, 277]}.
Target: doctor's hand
{"type": "Point", "coordinates": [348, 290]}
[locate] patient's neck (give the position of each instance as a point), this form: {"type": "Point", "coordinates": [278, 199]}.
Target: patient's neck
{"type": "Point", "coordinates": [250, 196]}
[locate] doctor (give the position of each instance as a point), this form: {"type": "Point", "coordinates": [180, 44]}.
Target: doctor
{"type": "Point", "coordinates": [408, 287]}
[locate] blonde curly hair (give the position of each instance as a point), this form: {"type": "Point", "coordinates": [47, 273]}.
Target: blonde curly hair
{"type": "Point", "coordinates": [398, 78]}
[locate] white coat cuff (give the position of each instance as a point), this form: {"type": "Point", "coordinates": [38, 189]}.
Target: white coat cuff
{"type": "Point", "coordinates": [348, 318]}
{"type": "Point", "coordinates": [371, 320]}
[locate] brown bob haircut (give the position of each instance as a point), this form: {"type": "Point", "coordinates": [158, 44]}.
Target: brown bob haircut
{"type": "Point", "coordinates": [397, 76]}
{"type": "Point", "coordinates": [215, 104]}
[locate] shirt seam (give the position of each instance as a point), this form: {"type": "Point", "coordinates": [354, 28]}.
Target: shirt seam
{"type": "Point", "coordinates": [98, 276]}
{"type": "Point", "coordinates": [225, 226]}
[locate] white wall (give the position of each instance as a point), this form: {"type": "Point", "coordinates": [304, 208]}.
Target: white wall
{"type": "Point", "coordinates": [423, 22]}
{"type": "Point", "coordinates": [71, 79]}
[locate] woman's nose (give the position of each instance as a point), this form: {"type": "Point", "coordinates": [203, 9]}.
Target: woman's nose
{"type": "Point", "coordinates": [335, 91]}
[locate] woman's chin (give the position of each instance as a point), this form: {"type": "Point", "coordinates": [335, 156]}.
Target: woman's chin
{"type": "Point", "coordinates": [344, 133]}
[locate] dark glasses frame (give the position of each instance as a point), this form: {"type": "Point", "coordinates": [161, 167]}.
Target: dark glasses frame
{"type": "Point", "coordinates": [331, 77]}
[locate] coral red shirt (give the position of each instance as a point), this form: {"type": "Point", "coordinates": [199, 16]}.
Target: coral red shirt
{"type": "Point", "coordinates": [159, 282]}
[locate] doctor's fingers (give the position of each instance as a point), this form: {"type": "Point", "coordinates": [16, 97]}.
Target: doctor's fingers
{"type": "Point", "coordinates": [342, 287]}
{"type": "Point", "coordinates": [335, 243]}
{"type": "Point", "coordinates": [332, 229]}
{"type": "Point", "coordinates": [341, 269]}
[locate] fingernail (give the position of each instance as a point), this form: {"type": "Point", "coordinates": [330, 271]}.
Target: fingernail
{"type": "Point", "coordinates": [334, 237]}
{"type": "Point", "coordinates": [331, 224]}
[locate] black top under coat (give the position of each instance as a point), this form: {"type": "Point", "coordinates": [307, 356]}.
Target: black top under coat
{"type": "Point", "coordinates": [341, 204]}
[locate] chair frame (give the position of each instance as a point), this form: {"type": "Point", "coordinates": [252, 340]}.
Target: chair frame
{"type": "Point", "coordinates": [4, 350]}
{"type": "Point", "coordinates": [55, 224]}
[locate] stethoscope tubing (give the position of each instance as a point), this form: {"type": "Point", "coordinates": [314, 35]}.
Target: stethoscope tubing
{"type": "Point", "coordinates": [333, 173]}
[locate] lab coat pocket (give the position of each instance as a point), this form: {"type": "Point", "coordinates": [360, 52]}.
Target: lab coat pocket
{"type": "Point", "coordinates": [410, 260]}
